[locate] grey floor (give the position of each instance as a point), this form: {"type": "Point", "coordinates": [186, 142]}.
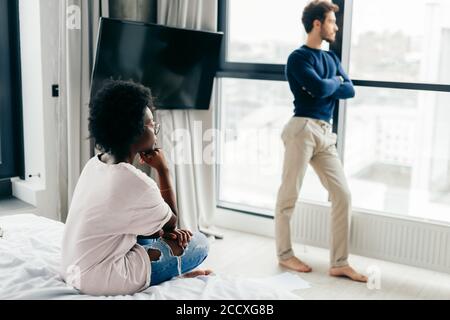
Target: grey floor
{"type": "Point", "coordinates": [249, 255]}
{"type": "Point", "coordinates": [14, 206]}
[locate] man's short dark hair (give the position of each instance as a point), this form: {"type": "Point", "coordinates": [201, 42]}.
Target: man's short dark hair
{"type": "Point", "coordinates": [116, 115]}
{"type": "Point", "coordinates": [317, 10]}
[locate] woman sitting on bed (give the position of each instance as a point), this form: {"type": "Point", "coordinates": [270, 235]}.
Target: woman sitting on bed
{"type": "Point", "coordinates": [120, 235]}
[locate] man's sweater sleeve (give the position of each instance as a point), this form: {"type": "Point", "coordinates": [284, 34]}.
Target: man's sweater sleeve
{"type": "Point", "coordinates": [345, 90]}
{"type": "Point", "coordinates": [305, 74]}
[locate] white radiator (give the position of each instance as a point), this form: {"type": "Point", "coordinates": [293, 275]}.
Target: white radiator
{"type": "Point", "coordinates": [388, 238]}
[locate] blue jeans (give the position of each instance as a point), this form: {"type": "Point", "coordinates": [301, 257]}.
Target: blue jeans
{"type": "Point", "coordinates": [168, 265]}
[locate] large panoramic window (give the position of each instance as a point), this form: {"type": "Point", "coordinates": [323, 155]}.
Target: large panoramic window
{"type": "Point", "coordinates": [397, 152]}
{"type": "Point", "coordinates": [251, 147]}
{"type": "Point", "coordinates": [255, 102]}
{"type": "Point", "coordinates": [394, 135]}
{"type": "Point", "coordinates": [397, 140]}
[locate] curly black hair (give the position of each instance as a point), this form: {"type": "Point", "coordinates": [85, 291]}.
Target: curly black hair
{"type": "Point", "coordinates": [116, 116]}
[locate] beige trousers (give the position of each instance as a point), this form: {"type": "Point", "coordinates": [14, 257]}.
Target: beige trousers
{"type": "Point", "coordinates": [311, 141]}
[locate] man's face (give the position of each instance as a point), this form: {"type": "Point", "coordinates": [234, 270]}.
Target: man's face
{"type": "Point", "coordinates": [329, 28]}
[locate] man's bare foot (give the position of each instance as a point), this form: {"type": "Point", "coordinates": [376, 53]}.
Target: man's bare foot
{"type": "Point", "coordinates": [295, 264]}
{"type": "Point", "coordinates": [197, 273]}
{"type": "Point", "coordinates": [348, 272]}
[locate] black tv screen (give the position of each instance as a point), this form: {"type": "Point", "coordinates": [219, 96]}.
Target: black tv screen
{"type": "Point", "coordinates": [178, 65]}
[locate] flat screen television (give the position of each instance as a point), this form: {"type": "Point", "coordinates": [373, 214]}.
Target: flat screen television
{"type": "Point", "coordinates": [178, 65]}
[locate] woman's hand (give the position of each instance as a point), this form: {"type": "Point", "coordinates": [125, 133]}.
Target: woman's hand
{"type": "Point", "coordinates": [154, 159]}
{"type": "Point", "coordinates": [183, 236]}
{"type": "Point", "coordinates": [156, 235]}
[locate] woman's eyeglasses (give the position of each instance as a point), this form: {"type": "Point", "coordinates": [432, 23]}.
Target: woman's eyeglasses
{"type": "Point", "coordinates": [156, 127]}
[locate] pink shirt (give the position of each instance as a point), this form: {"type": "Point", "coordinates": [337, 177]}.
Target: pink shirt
{"type": "Point", "coordinates": [111, 205]}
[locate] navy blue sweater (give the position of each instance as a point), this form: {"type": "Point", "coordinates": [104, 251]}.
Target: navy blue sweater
{"type": "Point", "coordinates": [313, 77]}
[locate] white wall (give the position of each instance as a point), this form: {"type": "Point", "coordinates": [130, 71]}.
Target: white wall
{"type": "Point", "coordinates": [39, 54]}
{"type": "Point", "coordinates": [30, 44]}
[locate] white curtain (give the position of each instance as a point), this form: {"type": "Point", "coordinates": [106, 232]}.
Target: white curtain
{"type": "Point", "coordinates": [194, 182]}
{"type": "Point", "coordinates": [137, 10]}
{"type": "Point", "coordinates": [194, 179]}
{"type": "Point", "coordinates": [78, 25]}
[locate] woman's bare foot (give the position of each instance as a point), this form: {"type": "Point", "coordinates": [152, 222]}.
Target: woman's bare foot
{"type": "Point", "coordinates": [348, 272]}
{"type": "Point", "coordinates": [295, 264]}
{"type": "Point", "coordinates": [197, 273]}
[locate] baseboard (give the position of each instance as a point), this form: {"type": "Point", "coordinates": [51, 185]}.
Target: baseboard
{"type": "Point", "coordinates": [26, 191]}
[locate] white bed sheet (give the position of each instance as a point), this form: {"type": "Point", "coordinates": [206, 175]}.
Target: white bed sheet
{"type": "Point", "coordinates": [29, 262]}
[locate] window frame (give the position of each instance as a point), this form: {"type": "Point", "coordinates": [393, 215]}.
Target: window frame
{"type": "Point", "coordinates": [13, 164]}
{"type": "Point", "coordinates": [275, 72]}
{"type": "Point", "coordinates": [258, 71]}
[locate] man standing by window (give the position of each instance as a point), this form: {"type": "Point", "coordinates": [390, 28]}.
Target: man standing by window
{"type": "Point", "coordinates": [317, 80]}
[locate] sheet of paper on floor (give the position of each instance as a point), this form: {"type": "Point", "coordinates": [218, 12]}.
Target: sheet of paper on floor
{"type": "Point", "coordinates": [285, 281]}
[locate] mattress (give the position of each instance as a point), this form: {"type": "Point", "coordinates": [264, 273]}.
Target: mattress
{"type": "Point", "coordinates": [29, 262]}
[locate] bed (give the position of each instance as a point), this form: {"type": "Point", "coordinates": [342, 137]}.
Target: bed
{"type": "Point", "coordinates": [29, 261]}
